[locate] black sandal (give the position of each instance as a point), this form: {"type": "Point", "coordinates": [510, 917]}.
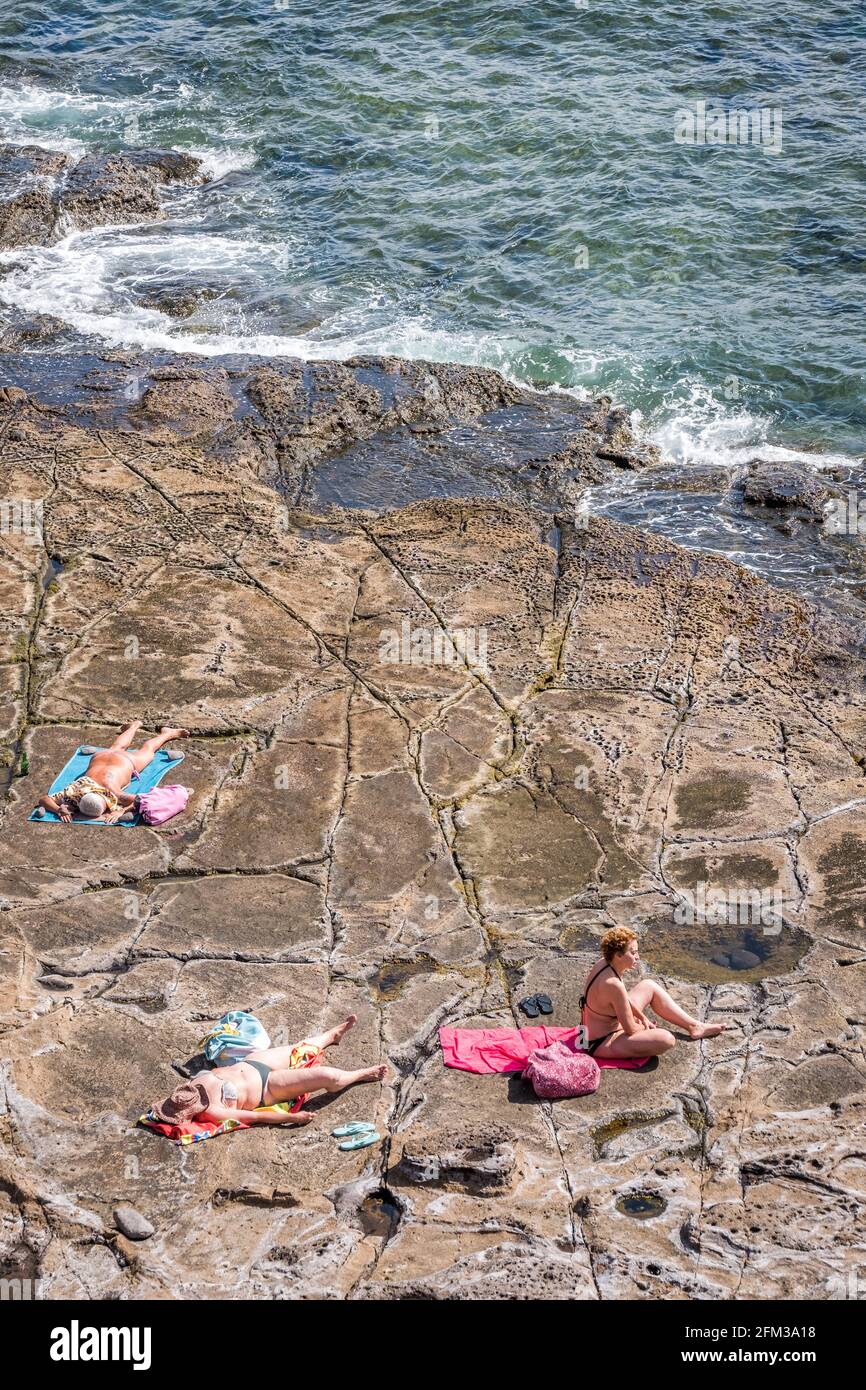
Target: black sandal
{"type": "Point", "coordinates": [529, 1007]}
{"type": "Point", "coordinates": [544, 1003]}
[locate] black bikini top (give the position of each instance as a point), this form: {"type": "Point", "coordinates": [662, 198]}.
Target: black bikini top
{"type": "Point", "coordinates": [582, 1001]}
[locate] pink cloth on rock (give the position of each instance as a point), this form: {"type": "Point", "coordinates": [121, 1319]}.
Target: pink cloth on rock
{"type": "Point", "coordinates": [162, 803]}
{"type": "Point", "coordinates": [487, 1050]}
{"type": "Point", "coordinates": [559, 1072]}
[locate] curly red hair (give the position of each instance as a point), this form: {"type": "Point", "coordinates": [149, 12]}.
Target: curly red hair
{"type": "Point", "coordinates": [615, 941]}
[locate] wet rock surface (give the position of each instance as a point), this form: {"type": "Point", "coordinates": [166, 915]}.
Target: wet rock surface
{"type": "Point", "coordinates": [44, 195]}
{"type": "Point", "coordinates": [176, 300]}
{"type": "Point", "coordinates": [785, 485]}
{"type": "Point", "coordinates": [419, 842]}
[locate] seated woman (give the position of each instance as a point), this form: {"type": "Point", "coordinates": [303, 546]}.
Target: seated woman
{"type": "Point", "coordinates": [263, 1078]}
{"type": "Point", "coordinates": [614, 1019]}
{"type": "Point", "coordinates": [99, 794]}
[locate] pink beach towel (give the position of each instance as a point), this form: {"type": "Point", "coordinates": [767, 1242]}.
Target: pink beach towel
{"type": "Point", "coordinates": [487, 1050]}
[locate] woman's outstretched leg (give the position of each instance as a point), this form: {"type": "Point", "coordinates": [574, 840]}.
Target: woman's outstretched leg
{"type": "Point", "coordinates": [648, 994]}
{"type": "Point", "coordinates": [332, 1036]}
{"type": "Point", "coordinates": [280, 1058]}
{"type": "Point", "coordinates": [289, 1084]}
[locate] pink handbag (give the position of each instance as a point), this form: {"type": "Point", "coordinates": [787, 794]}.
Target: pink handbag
{"type": "Point", "coordinates": [162, 803]}
{"type": "Point", "coordinates": [556, 1072]}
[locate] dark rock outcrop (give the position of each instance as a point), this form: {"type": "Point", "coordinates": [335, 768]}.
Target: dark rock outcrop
{"type": "Point", "coordinates": [22, 331]}
{"type": "Point", "coordinates": [785, 485]}
{"type": "Point", "coordinates": [176, 300]}
{"type": "Point", "coordinates": [44, 195]}
{"type": "Point", "coordinates": [167, 166]}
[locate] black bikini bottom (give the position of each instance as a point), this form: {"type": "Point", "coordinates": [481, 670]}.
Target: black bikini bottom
{"type": "Point", "coordinates": [264, 1072]}
{"type": "Point", "coordinates": [591, 1047]}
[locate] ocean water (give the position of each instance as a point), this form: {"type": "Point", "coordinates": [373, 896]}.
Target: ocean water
{"type": "Point", "coordinates": [484, 183]}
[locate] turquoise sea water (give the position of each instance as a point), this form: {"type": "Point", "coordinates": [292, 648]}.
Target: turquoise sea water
{"type": "Point", "coordinates": [485, 183]}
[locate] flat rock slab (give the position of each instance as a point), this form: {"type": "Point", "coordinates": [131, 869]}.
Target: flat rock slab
{"type": "Point", "coordinates": [421, 840]}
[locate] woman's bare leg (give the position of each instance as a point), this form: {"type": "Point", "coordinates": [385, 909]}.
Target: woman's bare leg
{"type": "Point", "coordinates": [280, 1058]}
{"type": "Point", "coordinates": [144, 755]}
{"type": "Point", "coordinates": [289, 1084]}
{"type": "Point", "coordinates": [647, 1042]}
{"type": "Point", "coordinates": [333, 1035]}
{"type": "Point", "coordinates": [648, 994]}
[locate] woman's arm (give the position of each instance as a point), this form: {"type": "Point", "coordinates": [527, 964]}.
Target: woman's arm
{"type": "Point", "coordinates": [622, 1007]}
{"type": "Point", "coordinates": [219, 1113]}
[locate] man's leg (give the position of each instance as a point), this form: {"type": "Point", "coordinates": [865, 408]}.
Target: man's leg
{"type": "Point", "coordinates": [144, 755]}
{"type": "Point", "coordinates": [125, 737]}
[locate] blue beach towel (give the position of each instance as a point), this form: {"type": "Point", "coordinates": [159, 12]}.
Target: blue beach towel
{"type": "Point", "coordinates": [161, 763]}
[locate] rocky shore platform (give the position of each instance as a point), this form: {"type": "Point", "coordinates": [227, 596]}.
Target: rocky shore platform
{"type": "Point", "coordinates": [419, 843]}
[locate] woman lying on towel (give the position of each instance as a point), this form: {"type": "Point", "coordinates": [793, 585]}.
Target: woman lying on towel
{"type": "Point", "coordinates": [614, 1018]}
{"type": "Point", "coordinates": [99, 794]}
{"type": "Point", "coordinates": [263, 1078]}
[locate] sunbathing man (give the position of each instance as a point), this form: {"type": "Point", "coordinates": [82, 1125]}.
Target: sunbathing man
{"type": "Point", "coordinates": [99, 794]}
{"type": "Point", "coordinates": [615, 1022]}
{"type": "Point", "coordinates": [262, 1078]}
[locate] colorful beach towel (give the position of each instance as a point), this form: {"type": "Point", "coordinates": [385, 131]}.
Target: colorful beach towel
{"type": "Point", "coordinates": [304, 1054]}
{"type": "Point", "coordinates": [488, 1050]}
{"type": "Point", "coordinates": [161, 763]}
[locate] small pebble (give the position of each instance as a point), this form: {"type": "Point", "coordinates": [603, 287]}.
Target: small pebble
{"type": "Point", "coordinates": [132, 1224]}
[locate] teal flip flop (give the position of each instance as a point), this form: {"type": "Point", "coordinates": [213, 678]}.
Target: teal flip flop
{"type": "Point", "coordinates": [356, 1127]}
{"type": "Point", "coordinates": [361, 1141]}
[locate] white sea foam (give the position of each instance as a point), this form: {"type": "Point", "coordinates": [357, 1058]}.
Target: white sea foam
{"type": "Point", "coordinates": [26, 100]}
{"type": "Point", "coordinates": [56, 119]}
{"type": "Point", "coordinates": [30, 114]}
{"type": "Point", "coordinates": [90, 280]}
{"type": "Point", "coordinates": [219, 162]}
{"type": "Point", "coordinates": [696, 427]}
{"type": "Point", "coordinates": [85, 280]}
